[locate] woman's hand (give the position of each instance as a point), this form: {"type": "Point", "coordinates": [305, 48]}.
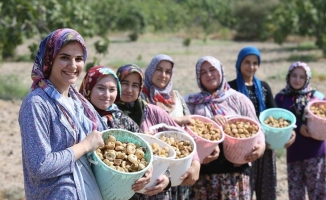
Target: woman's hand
{"type": "Point", "coordinates": [291, 140]}
{"type": "Point", "coordinates": [90, 143]}
{"type": "Point", "coordinates": [143, 181]}
{"type": "Point", "coordinates": [257, 152]}
{"type": "Point", "coordinates": [93, 141]}
{"type": "Point", "coordinates": [161, 183]}
{"type": "Point", "coordinates": [184, 120]}
{"type": "Point", "coordinates": [220, 120]}
{"type": "Point", "coordinates": [304, 130]}
{"type": "Point", "coordinates": [213, 156]}
{"type": "Point", "coordinates": [192, 175]}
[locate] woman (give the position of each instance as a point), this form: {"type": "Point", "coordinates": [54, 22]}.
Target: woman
{"type": "Point", "coordinates": [101, 87]}
{"type": "Point", "coordinates": [58, 126]}
{"type": "Point", "coordinates": [306, 157]}
{"type": "Point", "coordinates": [219, 178]}
{"type": "Point", "coordinates": [146, 115]}
{"type": "Point", "coordinates": [263, 178]}
{"type": "Point", "coordinates": [158, 91]}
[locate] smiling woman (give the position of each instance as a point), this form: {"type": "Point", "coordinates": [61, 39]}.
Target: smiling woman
{"type": "Point", "coordinates": [101, 87]}
{"type": "Point", "coordinates": [147, 115]}
{"type": "Point", "coordinates": [158, 90]}
{"type": "Point", "coordinates": [209, 77]}
{"type": "Point", "coordinates": [263, 179]}
{"type": "Point", "coordinates": [67, 66]}
{"type": "Point", "coordinates": [58, 126]}
{"type": "Point", "coordinates": [219, 178]}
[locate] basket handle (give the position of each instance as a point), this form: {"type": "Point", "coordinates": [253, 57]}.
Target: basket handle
{"type": "Point", "coordinates": [90, 158]}
{"type": "Point", "coordinates": [231, 116]}
{"type": "Point", "coordinates": [161, 125]}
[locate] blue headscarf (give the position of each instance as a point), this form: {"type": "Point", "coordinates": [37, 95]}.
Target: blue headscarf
{"type": "Point", "coordinates": [250, 50]}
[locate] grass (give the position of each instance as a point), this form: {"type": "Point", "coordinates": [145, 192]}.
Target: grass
{"type": "Point", "coordinates": [280, 153]}
{"type": "Point", "coordinates": [303, 46]}
{"type": "Point", "coordinates": [278, 76]}
{"type": "Point", "coordinates": [304, 58]}
{"type": "Point", "coordinates": [317, 77]}
{"type": "Point", "coordinates": [178, 53]}
{"type": "Point", "coordinates": [11, 88]}
{"type": "Point", "coordinates": [12, 194]}
{"type": "Point", "coordinates": [115, 64]}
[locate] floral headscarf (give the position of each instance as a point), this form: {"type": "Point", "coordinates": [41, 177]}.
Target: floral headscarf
{"type": "Point", "coordinates": [92, 76]}
{"type": "Point", "coordinates": [302, 95]}
{"type": "Point", "coordinates": [161, 97]}
{"type": "Point", "coordinates": [256, 82]}
{"type": "Point", "coordinates": [48, 49]}
{"type": "Point", "coordinates": [135, 110]}
{"type": "Point", "coordinates": [222, 92]}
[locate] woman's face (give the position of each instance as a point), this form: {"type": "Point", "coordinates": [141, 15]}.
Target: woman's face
{"type": "Point", "coordinates": [209, 77]}
{"type": "Point", "coordinates": [67, 66]}
{"type": "Point", "coordinates": [298, 78]}
{"type": "Point", "coordinates": [104, 92]}
{"type": "Point", "coordinates": [130, 87]}
{"type": "Point", "coordinates": [249, 66]}
{"type": "Point", "coordinates": [162, 74]}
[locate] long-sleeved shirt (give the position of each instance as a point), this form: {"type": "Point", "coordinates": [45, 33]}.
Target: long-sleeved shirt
{"type": "Point", "coordinates": [48, 162]}
{"type": "Point", "coordinates": [235, 104]}
{"type": "Point", "coordinates": [303, 147]}
{"type": "Point", "coordinates": [267, 95]}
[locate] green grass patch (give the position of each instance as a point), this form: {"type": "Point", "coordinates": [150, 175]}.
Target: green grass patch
{"type": "Point", "coordinates": [23, 58]}
{"type": "Point", "coordinates": [178, 53]}
{"type": "Point", "coordinates": [317, 77]}
{"type": "Point", "coordinates": [12, 194]}
{"type": "Point", "coordinates": [280, 153]}
{"type": "Point", "coordinates": [304, 58]}
{"type": "Point", "coordinates": [212, 42]}
{"type": "Point", "coordinates": [303, 46]}
{"type": "Point", "coordinates": [11, 88]}
{"type": "Point", "coordinates": [279, 76]}
{"type": "Point", "coordinates": [115, 64]}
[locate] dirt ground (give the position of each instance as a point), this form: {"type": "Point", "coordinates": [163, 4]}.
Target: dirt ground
{"type": "Point", "coordinates": [274, 64]}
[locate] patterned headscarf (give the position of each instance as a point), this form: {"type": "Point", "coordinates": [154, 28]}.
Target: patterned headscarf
{"type": "Point", "coordinates": [222, 92]}
{"type": "Point", "coordinates": [250, 50]}
{"type": "Point", "coordinates": [48, 49]}
{"type": "Point", "coordinates": [161, 97]}
{"type": "Point", "coordinates": [302, 95]}
{"type": "Point", "coordinates": [92, 76]}
{"type": "Point", "coordinates": [135, 110]}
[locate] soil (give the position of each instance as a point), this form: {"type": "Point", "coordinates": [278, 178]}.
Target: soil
{"type": "Point", "coordinates": [273, 68]}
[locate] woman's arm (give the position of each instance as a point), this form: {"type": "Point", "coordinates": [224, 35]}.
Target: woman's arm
{"type": "Point", "coordinates": [44, 158]}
